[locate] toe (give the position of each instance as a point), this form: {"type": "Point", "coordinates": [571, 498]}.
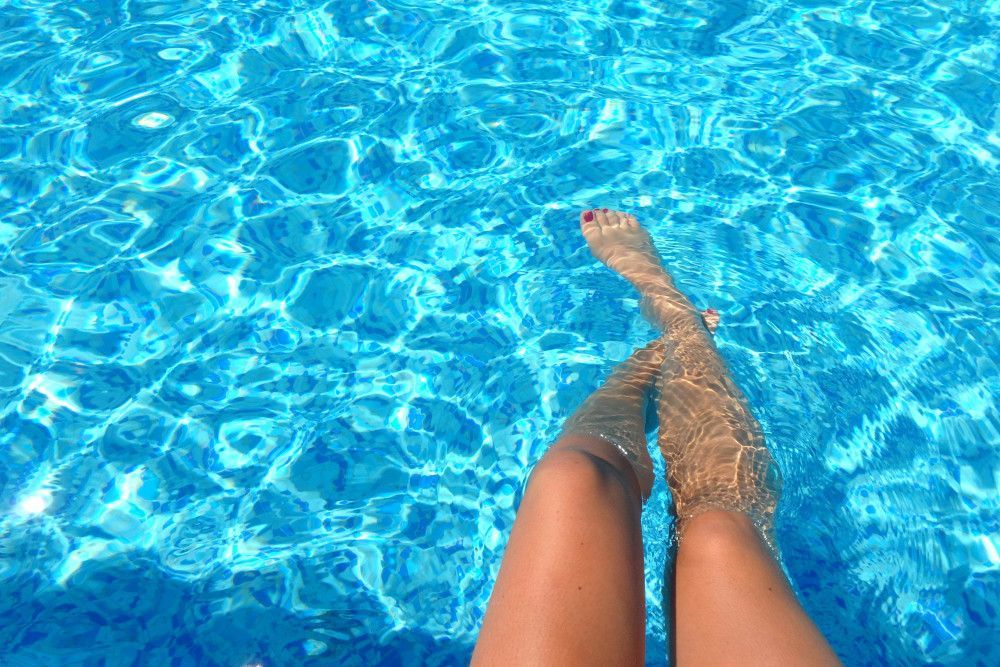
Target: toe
{"type": "Point", "coordinates": [601, 217]}
{"type": "Point", "coordinates": [588, 222]}
{"type": "Point", "coordinates": [630, 221]}
{"type": "Point", "coordinates": [615, 218]}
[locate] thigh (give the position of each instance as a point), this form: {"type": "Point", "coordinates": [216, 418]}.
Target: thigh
{"type": "Point", "coordinates": [571, 588]}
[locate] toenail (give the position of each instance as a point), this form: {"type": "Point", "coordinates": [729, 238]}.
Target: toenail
{"type": "Point", "coordinates": [605, 210]}
{"type": "Point", "coordinates": [588, 216]}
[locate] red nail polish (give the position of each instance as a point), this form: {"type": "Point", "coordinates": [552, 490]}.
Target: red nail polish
{"type": "Point", "coordinates": [588, 216]}
{"type": "Point", "coordinates": [605, 210]}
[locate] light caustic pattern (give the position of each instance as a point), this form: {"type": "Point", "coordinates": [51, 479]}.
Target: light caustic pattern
{"type": "Point", "coordinates": [293, 293]}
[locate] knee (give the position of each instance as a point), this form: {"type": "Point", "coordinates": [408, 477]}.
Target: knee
{"type": "Point", "coordinates": [719, 535]}
{"type": "Point", "coordinates": [581, 474]}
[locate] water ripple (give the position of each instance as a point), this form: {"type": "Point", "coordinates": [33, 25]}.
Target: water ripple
{"type": "Point", "coordinates": [292, 295]}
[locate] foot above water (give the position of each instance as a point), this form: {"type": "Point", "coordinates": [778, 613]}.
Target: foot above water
{"type": "Point", "coordinates": [623, 245]}
{"type": "Point", "coordinates": [617, 240]}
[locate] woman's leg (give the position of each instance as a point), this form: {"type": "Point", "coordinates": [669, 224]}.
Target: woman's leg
{"type": "Point", "coordinates": [571, 589]}
{"type": "Point", "coordinates": [732, 603]}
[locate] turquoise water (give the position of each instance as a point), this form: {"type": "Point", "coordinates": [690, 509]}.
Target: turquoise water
{"type": "Point", "coordinates": [292, 294]}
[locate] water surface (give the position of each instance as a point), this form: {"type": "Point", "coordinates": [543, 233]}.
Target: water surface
{"type": "Point", "coordinates": [292, 294]}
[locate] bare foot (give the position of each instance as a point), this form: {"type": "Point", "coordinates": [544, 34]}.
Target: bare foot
{"type": "Point", "coordinates": [617, 239]}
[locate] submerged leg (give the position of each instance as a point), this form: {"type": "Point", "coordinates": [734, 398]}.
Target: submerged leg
{"type": "Point", "coordinates": [616, 412]}
{"type": "Point", "coordinates": [713, 446]}
{"type": "Point", "coordinates": [571, 589]}
{"type": "Point", "coordinates": [722, 478]}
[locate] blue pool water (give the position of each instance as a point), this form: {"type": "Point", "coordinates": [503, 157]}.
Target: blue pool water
{"type": "Point", "coordinates": [292, 294]}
